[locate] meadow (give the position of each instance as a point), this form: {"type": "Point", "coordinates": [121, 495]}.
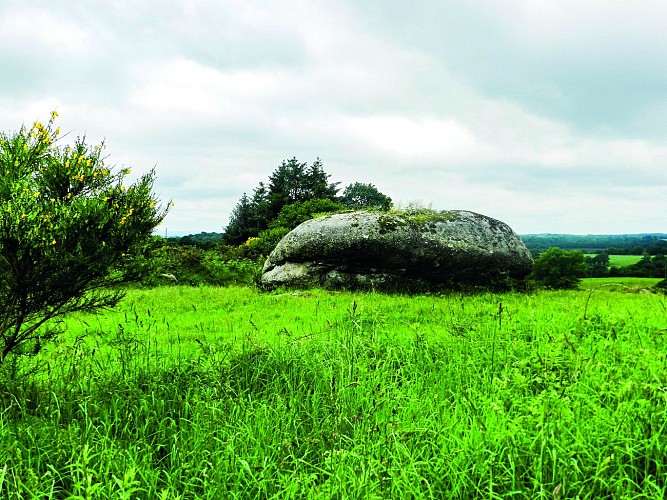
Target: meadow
{"type": "Point", "coordinates": [184, 392]}
{"type": "Point", "coordinates": [620, 260]}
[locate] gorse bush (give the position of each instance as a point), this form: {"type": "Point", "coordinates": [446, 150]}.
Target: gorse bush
{"type": "Point", "coordinates": [69, 231]}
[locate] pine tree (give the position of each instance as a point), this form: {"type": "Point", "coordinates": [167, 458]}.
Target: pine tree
{"type": "Point", "coordinates": [239, 228]}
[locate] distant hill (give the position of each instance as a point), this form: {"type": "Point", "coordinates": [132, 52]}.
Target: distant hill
{"type": "Point", "coordinates": [619, 244]}
{"type": "Point", "coordinates": [615, 244]}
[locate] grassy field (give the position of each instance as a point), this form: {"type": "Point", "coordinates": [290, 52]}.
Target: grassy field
{"type": "Point", "coordinates": [233, 393]}
{"type": "Point", "coordinates": [620, 260]}
{"type": "Point", "coordinates": [620, 284]}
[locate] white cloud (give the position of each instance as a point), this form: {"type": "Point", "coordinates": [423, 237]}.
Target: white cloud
{"type": "Point", "coordinates": [550, 117]}
{"type": "Point", "coordinates": [416, 138]}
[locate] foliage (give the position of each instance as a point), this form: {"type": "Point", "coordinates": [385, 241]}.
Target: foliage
{"type": "Point", "coordinates": [193, 265]}
{"type": "Point", "coordinates": [69, 227]}
{"type": "Point", "coordinates": [243, 222]}
{"type": "Point", "coordinates": [296, 213]}
{"type": "Point", "coordinates": [295, 192]}
{"type": "Point", "coordinates": [359, 196]}
{"type": "Point", "coordinates": [205, 240]}
{"type": "Point", "coordinates": [559, 269]}
{"type": "Point", "coordinates": [612, 244]}
{"type": "Point", "coordinates": [648, 267]}
{"type": "Point", "coordinates": [598, 265]}
{"type": "Point", "coordinates": [230, 393]}
{"type": "Point", "coordinates": [259, 247]}
{"type": "Point", "coordinates": [292, 182]}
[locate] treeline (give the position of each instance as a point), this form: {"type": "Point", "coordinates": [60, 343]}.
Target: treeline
{"type": "Point", "coordinates": [202, 240]}
{"type": "Point", "coordinates": [650, 266]}
{"type": "Point", "coordinates": [612, 244]}
{"type": "Point", "coordinates": [294, 193]}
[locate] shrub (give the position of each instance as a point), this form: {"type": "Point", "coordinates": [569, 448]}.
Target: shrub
{"type": "Point", "coordinates": [69, 233]}
{"type": "Point", "coordinates": [559, 269]}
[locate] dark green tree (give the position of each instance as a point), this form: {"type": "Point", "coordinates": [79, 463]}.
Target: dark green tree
{"type": "Point", "coordinates": [69, 232]}
{"type": "Point", "coordinates": [317, 183]}
{"type": "Point", "coordinates": [559, 269]}
{"type": "Point", "coordinates": [359, 196]}
{"type": "Point", "coordinates": [599, 265]}
{"type": "Point", "coordinates": [240, 226]}
{"type": "Point", "coordinates": [294, 214]}
{"type": "Point", "coordinates": [292, 182]}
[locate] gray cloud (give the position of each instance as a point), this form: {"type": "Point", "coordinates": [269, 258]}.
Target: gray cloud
{"type": "Point", "coordinates": [549, 116]}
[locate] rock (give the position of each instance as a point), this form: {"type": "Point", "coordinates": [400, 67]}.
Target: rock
{"type": "Point", "coordinates": [408, 252]}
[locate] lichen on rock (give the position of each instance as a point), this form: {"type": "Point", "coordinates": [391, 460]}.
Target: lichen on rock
{"type": "Point", "coordinates": [408, 251]}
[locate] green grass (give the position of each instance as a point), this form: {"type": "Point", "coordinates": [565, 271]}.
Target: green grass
{"type": "Point", "coordinates": [620, 260]}
{"type": "Point", "coordinates": [622, 284]}
{"type": "Point", "coordinates": [231, 393]}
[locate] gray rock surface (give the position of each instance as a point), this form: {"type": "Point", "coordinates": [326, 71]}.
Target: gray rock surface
{"type": "Point", "coordinates": [412, 252]}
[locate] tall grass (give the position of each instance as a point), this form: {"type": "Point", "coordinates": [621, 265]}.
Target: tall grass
{"type": "Point", "coordinates": [229, 393]}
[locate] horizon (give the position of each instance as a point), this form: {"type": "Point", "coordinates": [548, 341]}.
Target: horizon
{"type": "Point", "coordinates": [657, 233]}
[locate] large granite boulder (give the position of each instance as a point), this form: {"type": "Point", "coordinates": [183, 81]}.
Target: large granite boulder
{"type": "Point", "coordinates": [408, 252]}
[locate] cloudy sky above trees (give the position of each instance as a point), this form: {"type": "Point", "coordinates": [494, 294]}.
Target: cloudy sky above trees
{"type": "Point", "coordinates": [548, 115]}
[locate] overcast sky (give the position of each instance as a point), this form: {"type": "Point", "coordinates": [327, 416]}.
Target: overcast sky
{"type": "Point", "coordinates": [550, 115]}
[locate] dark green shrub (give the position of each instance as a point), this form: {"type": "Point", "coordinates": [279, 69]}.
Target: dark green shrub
{"type": "Point", "coordinates": [559, 269]}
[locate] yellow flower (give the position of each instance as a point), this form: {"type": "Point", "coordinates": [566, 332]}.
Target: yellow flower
{"type": "Point", "coordinates": [88, 162]}
{"type": "Point", "coordinates": [36, 194]}
{"type": "Point", "coordinates": [53, 242]}
{"type": "Point", "coordinates": [54, 114]}
{"type": "Point", "coordinates": [152, 204]}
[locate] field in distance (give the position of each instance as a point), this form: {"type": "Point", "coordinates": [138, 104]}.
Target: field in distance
{"type": "Point", "coordinates": [620, 260]}
{"type": "Point", "coordinates": [230, 392]}
{"type": "Point", "coordinates": [618, 284]}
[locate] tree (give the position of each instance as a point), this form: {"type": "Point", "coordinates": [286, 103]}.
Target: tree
{"type": "Point", "coordinates": [360, 196]}
{"type": "Point", "coordinates": [69, 233]}
{"type": "Point", "coordinates": [559, 269]}
{"type": "Point", "coordinates": [292, 182]}
{"type": "Point", "coordinates": [599, 265]}
{"type": "Point", "coordinates": [317, 183]}
{"type": "Point", "coordinates": [240, 226]}
{"type": "Point", "coordinates": [292, 215]}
